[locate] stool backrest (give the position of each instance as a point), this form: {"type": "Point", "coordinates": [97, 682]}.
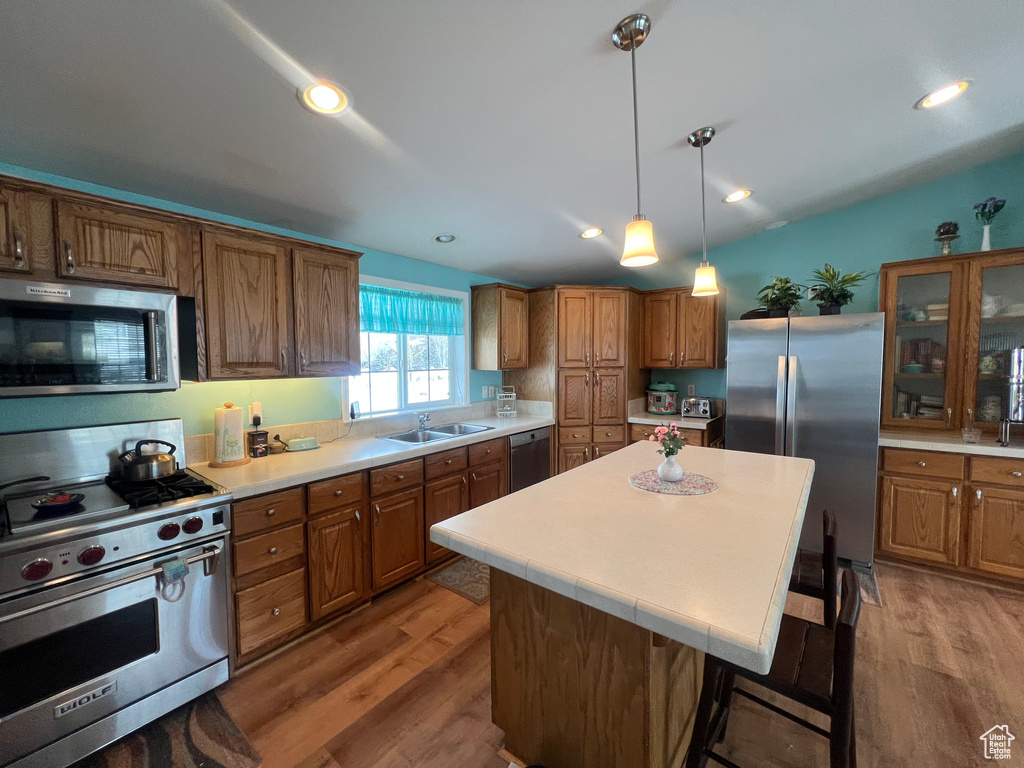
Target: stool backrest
{"type": "Point", "coordinates": [829, 566]}
{"type": "Point", "coordinates": [846, 642]}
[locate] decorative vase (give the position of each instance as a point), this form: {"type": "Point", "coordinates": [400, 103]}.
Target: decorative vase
{"type": "Point", "coordinates": [829, 309]}
{"type": "Point", "coordinates": [669, 471]}
{"type": "Point", "coordinates": [986, 240]}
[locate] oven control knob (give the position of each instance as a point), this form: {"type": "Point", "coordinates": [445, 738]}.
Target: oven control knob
{"type": "Point", "coordinates": [192, 525]}
{"type": "Point", "coordinates": [37, 569]}
{"type": "Point", "coordinates": [91, 555]}
{"type": "Point", "coordinates": [169, 531]}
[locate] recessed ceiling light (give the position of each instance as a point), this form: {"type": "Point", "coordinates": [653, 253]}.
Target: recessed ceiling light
{"type": "Point", "coordinates": [776, 225]}
{"type": "Point", "coordinates": [942, 95]}
{"type": "Point", "coordinates": [324, 98]}
{"type": "Point", "coordinates": [445, 237]}
{"type": "Point", "coordinates": [736, 195]}
{"type": "Point", "coordinates": [586, 234]}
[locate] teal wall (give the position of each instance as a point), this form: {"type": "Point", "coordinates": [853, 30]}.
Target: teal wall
{"type": "Point", "coordinates": [284, 401]}
{"type": "Point", "coordinates": [859, 238]}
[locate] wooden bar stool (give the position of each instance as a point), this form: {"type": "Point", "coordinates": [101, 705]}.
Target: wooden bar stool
{"type": "Point", "coordinates": [813, 665]}
{"type": "Point", "coordinates": [817, 575]}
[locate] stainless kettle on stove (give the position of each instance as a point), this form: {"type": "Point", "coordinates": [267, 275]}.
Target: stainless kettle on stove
{"type": "Point", "coordinates": [137, 466]}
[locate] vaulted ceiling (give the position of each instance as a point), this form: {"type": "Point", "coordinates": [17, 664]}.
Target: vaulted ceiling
{"type": "Point", "coordinates": [507, 123]}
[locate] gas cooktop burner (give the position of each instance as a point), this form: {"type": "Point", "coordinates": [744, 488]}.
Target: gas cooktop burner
{"type": "Point", "coordinates": [142, 493]}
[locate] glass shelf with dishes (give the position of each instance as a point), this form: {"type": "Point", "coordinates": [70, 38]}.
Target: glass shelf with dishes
{"type": "Point", "coordinates": [921, 347]}
{"type": "Point", "coordinates": [1001, 330]}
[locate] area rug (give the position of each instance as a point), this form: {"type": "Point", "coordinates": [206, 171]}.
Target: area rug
{"type": "Point", "coordinates": [200, 734]}
{"type": "Point", "coordinates": [467, 577]}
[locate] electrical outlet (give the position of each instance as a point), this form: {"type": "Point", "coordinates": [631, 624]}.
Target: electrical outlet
{"type": "Point", "coordinates": [483, 393]}
{"type": "Point", "coordinates": [255, 409]}
{"type": "Point", "coordinates": [691, 390]}
{"type": "Point", "coordinates": [490, 393]}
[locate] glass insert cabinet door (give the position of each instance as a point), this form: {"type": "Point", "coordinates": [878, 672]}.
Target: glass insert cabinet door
{"type": "Point", "coordinates": [922, 360]}
{"type": "Point", "coordinates": [996, 329]}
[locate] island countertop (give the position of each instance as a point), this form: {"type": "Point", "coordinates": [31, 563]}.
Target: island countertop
{"type": "Point", "coordinates": [709, 571]}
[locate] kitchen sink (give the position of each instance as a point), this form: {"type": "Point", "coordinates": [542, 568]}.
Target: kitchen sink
{"type": "Point", "coordinates": [418, 436]}
{"type": "Point", "coordinates": [460, 429]}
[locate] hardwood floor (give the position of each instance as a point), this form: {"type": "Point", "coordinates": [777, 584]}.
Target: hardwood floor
{"type": "Point", "coordinates": [406, 683]}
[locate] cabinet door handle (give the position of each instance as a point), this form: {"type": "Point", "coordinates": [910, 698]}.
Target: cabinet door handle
{"type": "Point", "coordinates": [597, 452]}
{"type": "Point", "coordinates": [607, 434]}
{"type": "Point", "coordinates": [271, 512]}
{"type": "Point", "coordinates": [597, 359]}
{"type": "Point", "coordinates": [19, 252]}
{"type": "Point", "coordinates": [575, 436]}
{"type": "Point", "coordinates": [474, 476]}
{"type": "Point", "coordinates": [276, 612]}
{"type": "Point", "coordinates": [949, 416]}
{"type": "Point", "coordinates": [448, 462]}
{"type": "Point", "coordinates": [284, 360]}
{"type": "Point", "coordinates": [977, 498]}
{"type": "Point", "coordinates": [272, 551]}
{"type": "Point", "coordinates": [955, 491]}
{"type": "Point", "coordinates": [69, 258]}
{"type": "Point", "coordinates": [401, 477]}
{"type": "Point", "coordinates": [586, 379]}
{"type": "Point", "coordinates": [1015, 473]}
{"type": "Point", "coordinates": [504, 358]}
{"type": "Point", "coordinates": [358, 518]}
{"type": "Point", "coordinates": [465, 482]}
{"type": "Point", "coordinates": [587, 359]}
{"type": "Point", "coordinates": [338, 493]}
{"type": "Point", "coordinates": [302, 359]}
{"type": "Point", "coordinates": [922, 464]}
{"type": "Point", "coordinates": [377, 506]}
{"type": "Point", "coordinates": [586, 453]}
{"type": "Point", "coordinates": [671, 358]}
{"type": "Point", "coordinates": [488, 452]}
{"type": "Point", "coordinates": [597, 379]}
{"type": "Point", "coordinates": [970, 415]}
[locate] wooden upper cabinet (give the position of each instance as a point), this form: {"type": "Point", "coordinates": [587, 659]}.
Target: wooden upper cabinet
{"type": "Point", "coordinates": [15, 238]}
{"type": "Point", "coordinates": [326, 295]}
{"type": "Point", "coordinates": [575, 328]}
{"type": "Point", "coordinates": [575, 397]}
{"type": "Point", "coordinates": [247, 286]}
{"type": "Point", "coordinates": [609, 396]}
{"type": "Point", "coordinates": [513, 334]}
{"type": "Point", "coordinates": [997, 531]}
{"type": "Point", "coordinates": [609, 335]}
{"type": "Point", "coordinates": [500, 327]}
{"type": "Point", "coordinates": [697, 331]}
{"type": "Point", "coordinates": [920, 519]}
{"type": "Point", "coordinates": [659, 330]}
{"type": "Point", "coordinates": [338, 559]}
{"type": "Point", "coordinates": [97, 242]}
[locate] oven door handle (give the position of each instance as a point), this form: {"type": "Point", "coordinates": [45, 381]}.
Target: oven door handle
{"type": "Point", "coordinates": [210, 559]}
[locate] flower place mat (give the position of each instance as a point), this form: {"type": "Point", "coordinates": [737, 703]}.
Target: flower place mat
{"type": "Point", "coordinates": [692, 484]}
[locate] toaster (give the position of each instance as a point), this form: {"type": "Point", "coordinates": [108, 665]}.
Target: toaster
{"type": "Point", "coordinates": [701, 407]}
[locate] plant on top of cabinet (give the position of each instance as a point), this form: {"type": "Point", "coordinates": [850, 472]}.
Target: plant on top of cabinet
{"type": "Point", "coordinates": [780, 296]}
{"type": "Point", "coordinates": [833, 288]}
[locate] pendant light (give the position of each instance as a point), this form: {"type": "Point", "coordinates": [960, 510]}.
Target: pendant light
{"type": "Point", "coordinates": [639, 248]}
{"type": "Point", "coordinates": [704, 279]}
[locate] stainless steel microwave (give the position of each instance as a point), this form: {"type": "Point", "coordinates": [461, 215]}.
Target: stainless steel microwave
{"type": "Point", "coordinates": [66, 339]}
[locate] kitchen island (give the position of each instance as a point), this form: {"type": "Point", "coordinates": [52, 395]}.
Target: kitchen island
{"type": "Point", "coordinates": [604, 598]}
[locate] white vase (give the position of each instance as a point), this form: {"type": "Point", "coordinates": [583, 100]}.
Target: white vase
{"type": "Point", "coordinates": [986, 240]}
{"type": "Point", "coordinates": [669, 471]}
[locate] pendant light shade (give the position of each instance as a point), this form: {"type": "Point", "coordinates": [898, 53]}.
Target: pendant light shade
{"type": "Point", "coordinates": [705, 281]}
{"type": "Point", "coordinates": [639, 247]}
{"type": "Point", "coordinates": [639, 250]}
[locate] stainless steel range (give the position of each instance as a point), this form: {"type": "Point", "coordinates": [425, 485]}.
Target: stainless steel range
{"type": "Point", "coordinates": [114, 602]}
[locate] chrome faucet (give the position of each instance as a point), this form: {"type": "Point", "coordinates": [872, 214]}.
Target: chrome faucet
{"type": "Point", "coordinates": [424, 418]}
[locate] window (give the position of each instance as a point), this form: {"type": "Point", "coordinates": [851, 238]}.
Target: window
{"type": "Point", "coordinates": [413, 349]}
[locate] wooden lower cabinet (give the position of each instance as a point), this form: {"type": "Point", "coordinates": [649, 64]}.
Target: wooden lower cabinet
{"type": "Point", "coordinates": [709, 437]}
{"type": "Point", "coordinates": [337, 561]}
{"type": "Point", "coordinates": [397, 537]}
{"type": "Point", "coordinates": [444, 498]}
{"type": "Point", "coordinates": [921, 519]}
{"type": "Point", "coordinates": [996, 542]}
{"type": "Point", "coordinates": [271, 612]}
{"type": "Point", "coordinates": [487, 483]}
{"type": "Point", "coordinates": [572, 456]}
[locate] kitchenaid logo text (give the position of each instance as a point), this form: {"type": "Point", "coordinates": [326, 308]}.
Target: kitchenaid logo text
{"type": "Point", "coordinates": [86, 698]}
{"type": "Point", "coordinates": [38, 290]}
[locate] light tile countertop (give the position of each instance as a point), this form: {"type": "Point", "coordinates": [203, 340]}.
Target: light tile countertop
{"type": "Point", "coordinates": [931, 441]}
{"type": "Point", "coordinates": [683, 422]}
{"type": "Point", "coordinates": [285, 470]}
{"type": "Point", "coordinates": [709, 571]}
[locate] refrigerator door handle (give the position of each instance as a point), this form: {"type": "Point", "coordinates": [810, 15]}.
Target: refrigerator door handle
{"type": "Point", "coordinates": [791, 409]}
{"type": "Point", "coordinates": [780, 408]}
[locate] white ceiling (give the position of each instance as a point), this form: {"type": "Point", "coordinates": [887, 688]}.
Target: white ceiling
{"type": "Point", "coordinates": [507, 123]}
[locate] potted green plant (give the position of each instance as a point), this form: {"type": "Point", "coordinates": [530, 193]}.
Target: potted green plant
{"type": "Point", "coordinates": [834, 288]}
{"type": "Point", "coordinates": [780, 296]}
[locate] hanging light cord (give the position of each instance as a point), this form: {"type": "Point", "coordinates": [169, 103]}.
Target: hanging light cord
{"type": "Point", "coordinates": [636, 121]}
{"type": "Point", "coordinates": [703, 214]}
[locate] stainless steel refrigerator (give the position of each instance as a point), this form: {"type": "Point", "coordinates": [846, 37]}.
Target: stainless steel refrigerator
{"type": "Point", "coordinates": [811, 387]}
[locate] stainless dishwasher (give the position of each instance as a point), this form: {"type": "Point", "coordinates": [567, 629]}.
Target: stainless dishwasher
{"type": "Point", "coordinates": [531, 458]}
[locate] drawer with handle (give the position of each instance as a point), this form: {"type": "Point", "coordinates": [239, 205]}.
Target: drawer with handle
{"type": "Point", "coordinates": [271, 610]}
{"type": "Point", "coordinates": [446, 463]}
{"type": "Point", "coordinates": [262, 512]}
{"type": "Point", "coordinates": [609, 434]}
{"type": "Point", "coordinates": [336, 493]}
{"type": "Point", "coordinates": [573, 435]}
{"type": "Point", "coordinates": [267, 549]}
{"type": "Point", "coordinates": [997, 471]}
{"type": "Point", "coordinates": [488, 451]}
{"type": "Point", "coordinates": [925, 463]}
{"type": "Point", "coordinates": [639, 432]}
{"type": "Point", "coordinates": [397, 477]}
